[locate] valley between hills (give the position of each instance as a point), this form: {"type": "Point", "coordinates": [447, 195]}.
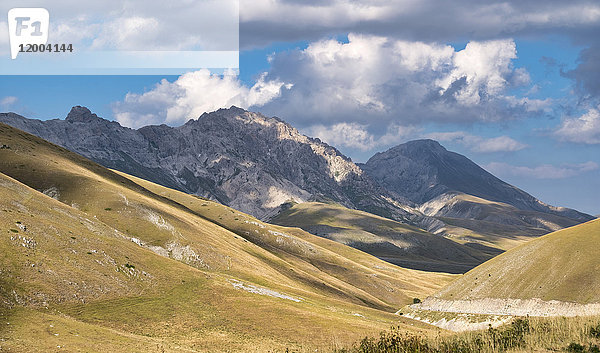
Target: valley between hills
{"type": "Point", "coordinates": [236, 233]}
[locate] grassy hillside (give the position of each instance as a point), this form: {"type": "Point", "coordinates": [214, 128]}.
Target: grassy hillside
{"type": "Point", "coordinates": [92, 260]}
{"type": "Point", "coordinates": [562, 266]}
{"type": "Point", "coordinates": [392, 241]}
{"type": "Point", "coordinates": [276, 239]}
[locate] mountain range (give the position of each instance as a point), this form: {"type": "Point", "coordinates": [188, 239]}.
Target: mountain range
{"type": "Point", "coordinates": [258, 165]}
{"type": "Point", "coordinates": [242, 159]}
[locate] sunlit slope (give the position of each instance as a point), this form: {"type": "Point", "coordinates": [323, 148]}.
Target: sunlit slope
{"type": "Point", "coordinates": [562, 265]}
{"type": "Point", "coordinates": [170, 228]}
{"type": "Point", "coordinates": [107, 256]}
{"type": "Point", "coordinates": [386, 239]}
{"type": "Point", "coordinates": [276, 239]}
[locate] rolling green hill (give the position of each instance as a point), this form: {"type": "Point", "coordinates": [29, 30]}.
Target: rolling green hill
{"type": "Point", "coordinates": [93, 260]}
{"type": "Point", "coordinates": [395, 242]}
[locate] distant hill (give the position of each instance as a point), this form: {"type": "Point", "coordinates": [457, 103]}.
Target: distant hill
{"type": "Point", "coordinates": [558, 266]}
{"type": "Point", "coordinates": [389, 240]}
{"type": "Point", "coordinates": [95, 260]}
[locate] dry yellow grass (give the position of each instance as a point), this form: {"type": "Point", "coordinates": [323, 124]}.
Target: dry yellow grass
{"type": "Point", "coordinates": [561, 266]}
{"type": "Point", "coordinates": [580, 334]}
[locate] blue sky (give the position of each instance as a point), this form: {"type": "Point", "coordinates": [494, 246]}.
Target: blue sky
{"type": "Point", "coordinates": [520, 102]}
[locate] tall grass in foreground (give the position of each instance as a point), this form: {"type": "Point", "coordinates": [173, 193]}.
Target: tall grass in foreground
{"type": "Point", "coordinates": [579, 334]}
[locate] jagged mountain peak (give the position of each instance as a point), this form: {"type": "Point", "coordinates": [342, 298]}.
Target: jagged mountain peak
{"type": "Point", "coordinates": [12, 115]}
{"type": "Point", "coordinates": [81, 114]}
{"type": "Point", "coordinates": [238, 116]}
{"type": "Point", "coordinates": [242, 124]}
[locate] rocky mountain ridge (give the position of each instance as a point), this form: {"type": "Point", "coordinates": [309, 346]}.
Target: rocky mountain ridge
{"type": "Point", "coordinates": [242, 159]}
{"type": "Point", "coordinates": [258, 164]}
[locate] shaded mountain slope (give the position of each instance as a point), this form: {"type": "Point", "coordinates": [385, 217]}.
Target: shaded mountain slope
{"type": "Point", "coordinates": [391, 241]}
{"type": "Point", "coordinates": [474, 205]}
{"type": "Point", "coordinates": [422, 170]}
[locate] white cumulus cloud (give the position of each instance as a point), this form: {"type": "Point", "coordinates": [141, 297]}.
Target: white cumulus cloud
{"type": "Point", "coordinates": [485, 67]}
{"type": "Point", "coordinates": [191, 95]}
{"type": "Point", "coordinates": [371, 80]}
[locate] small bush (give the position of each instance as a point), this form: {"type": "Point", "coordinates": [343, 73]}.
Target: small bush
{"type": "Point", "coordinates": [14, 231]}
{"type": "Point", "coordinates": [129, 266]}
{"type": "Point", "coordinates": [511, 337]}
{"type": "Point", "coordinates": [108, 209]}
{"type": "Point", "coordinates": [595, 331]}
{"type": "Point", "coordinates": [395, 341]}
{"type": "Point", "coordinates": [575, 347]}
{"type": "Point", "coordinates": [416, 300]}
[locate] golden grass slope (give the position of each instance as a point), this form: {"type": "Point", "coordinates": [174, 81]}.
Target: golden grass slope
{"type": "Point", "coordinates": [143, 266]}
{"type": "Point", "coordinates": [562, 265]}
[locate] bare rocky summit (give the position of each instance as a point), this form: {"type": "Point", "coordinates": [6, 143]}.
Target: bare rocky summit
{"type": "Point", "coordinates": [448, 185]}
{"type": "Point", "coordinates": [423, 170]}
